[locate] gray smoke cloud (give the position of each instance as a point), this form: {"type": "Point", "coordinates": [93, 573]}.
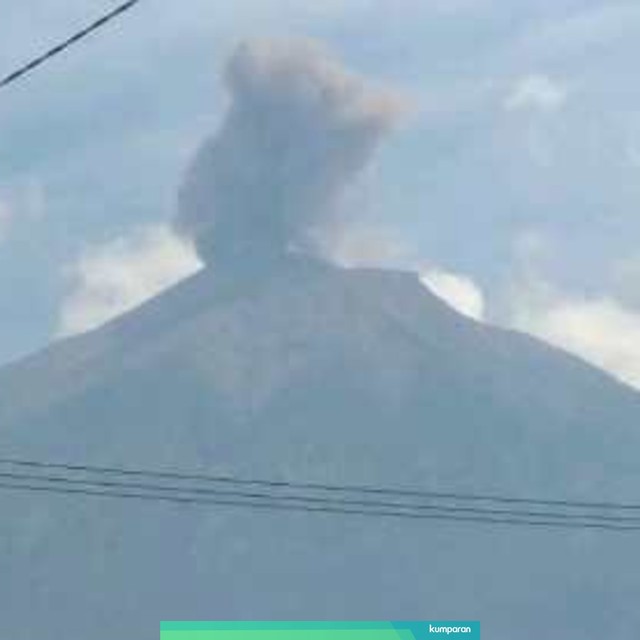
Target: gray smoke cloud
{"type": "Point", "coordinates": [298, 130]}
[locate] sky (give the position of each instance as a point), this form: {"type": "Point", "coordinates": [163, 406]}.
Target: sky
{"type": "Point", "coordinates": [511, 183]}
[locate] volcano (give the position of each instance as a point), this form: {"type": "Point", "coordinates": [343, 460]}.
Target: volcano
{"type": "Point", "coordinates": [305, 372]}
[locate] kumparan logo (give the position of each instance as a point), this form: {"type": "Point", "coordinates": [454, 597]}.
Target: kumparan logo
{"type": "Point", "coordinates": [449, 630]}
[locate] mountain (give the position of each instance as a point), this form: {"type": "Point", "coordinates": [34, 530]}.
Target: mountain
{"type": "Point", "coordinates": [310, 373]}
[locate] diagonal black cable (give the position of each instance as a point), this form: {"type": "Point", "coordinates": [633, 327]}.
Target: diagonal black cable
{"type": "Point", "coordinates": [329, 509]}
{"type": "Point", "coordinates": [59, 48]}
{"type": "Point", "coordinates": [398, 509]}
{"type": "Point", "coordinates": [288, 498]}
{"type": "Point", "coordinates": [331, 488]}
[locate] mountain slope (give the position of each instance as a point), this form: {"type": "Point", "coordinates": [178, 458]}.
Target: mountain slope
{"type": "Point", "coordinates": [313, 373]}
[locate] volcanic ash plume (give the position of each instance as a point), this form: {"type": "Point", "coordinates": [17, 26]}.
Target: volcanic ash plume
{"type": "Point", "coordinates": [299, 128]}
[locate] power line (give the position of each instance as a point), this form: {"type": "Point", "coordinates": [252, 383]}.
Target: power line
{"type": "Point", "coordinates": [59, 48]}
{"type": "Point", "coordinates": [293, 499]}
{"type": "Point", "coordinates": [269, 500]}
{"type": "Point", "coordinates": [330, 509]}
{"type": "Point", "coordinates": [325, 487]}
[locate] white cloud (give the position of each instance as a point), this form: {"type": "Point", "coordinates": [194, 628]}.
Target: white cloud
{"type": "Point", "coordinates": [600, 330]}
{"type": "Point", "coordinates": [459, 291]}
{"type": "Point", "coordinates": [118, 276]}
{"type": "Point", "coordinates": [536, 92]}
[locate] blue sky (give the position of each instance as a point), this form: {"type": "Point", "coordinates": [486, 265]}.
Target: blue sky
{"type": "Point", "coordinates": [515, 171]}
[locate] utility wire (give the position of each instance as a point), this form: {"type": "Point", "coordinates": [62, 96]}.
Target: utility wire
{"type": "Point", "coordinates": [337, 488]}
{"type": "Point", "coordinates": [307, 499]}
{"type": "Point", "coordinates": [328, 509]}
{"type": "Point", "coordinates": [59, 48]}
{"type": "Point", "coordinates": [211, 495]}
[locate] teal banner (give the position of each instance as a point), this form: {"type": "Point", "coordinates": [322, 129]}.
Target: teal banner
{"type": "Point", "coordinates": [319, 630]}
